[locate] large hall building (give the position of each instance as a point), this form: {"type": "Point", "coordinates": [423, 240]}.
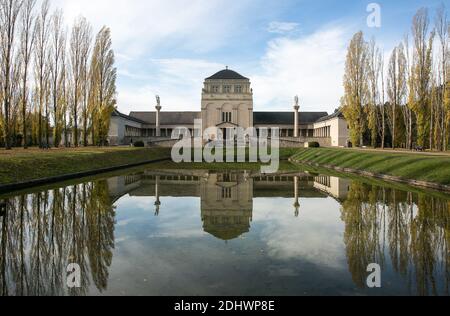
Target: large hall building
{"type": "Point", "coordinates": [227, 102]}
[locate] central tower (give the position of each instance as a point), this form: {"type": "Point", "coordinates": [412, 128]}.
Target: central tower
{"type": "Point", "coordinates": [227, 101]}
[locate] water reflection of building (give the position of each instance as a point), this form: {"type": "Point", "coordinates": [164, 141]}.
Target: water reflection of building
{"type": "Point", "coordinates": [227, 204]}
{"type": "Point", "coordinates": [336, 187]}
{"type": "Point", "coordinates": [227, 198]}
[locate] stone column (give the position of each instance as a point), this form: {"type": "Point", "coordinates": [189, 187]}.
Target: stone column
{"type": "Point", "coordinates": [158, 121]}
{"type": "Point", "coordinates": [296, 121]}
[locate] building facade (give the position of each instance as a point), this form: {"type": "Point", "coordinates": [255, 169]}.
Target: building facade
{"type": "Point", "coordinates": [227, 103]}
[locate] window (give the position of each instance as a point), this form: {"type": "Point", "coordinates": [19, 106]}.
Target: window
{"type": "Point", "coordinates": [226, 193]}
{"type": "Point", "coordinates": [215, 89]}
{"type": "Point", "coordinates": [226, 117]}
{"type": "Point", "coordinates": [226, 89]}
{"type": "Point", "coordinates": [238, 89]}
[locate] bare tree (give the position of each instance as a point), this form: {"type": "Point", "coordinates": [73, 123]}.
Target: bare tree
{"type": "Point", "coordinates": [64, 97]}
{"type": "Point", "coordinates": [41, 63]}
{"type": "Point", "coordinates": [85, 82]}
{"type": "Point", "coordinates": [26, 45]}
{"type": "Point", "coordinates": [58, 39]}
{"type": "Point", "coordinates": [9, 13]}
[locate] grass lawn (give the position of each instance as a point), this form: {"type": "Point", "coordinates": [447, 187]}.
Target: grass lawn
{"type": "Point", "coordinates": [21, 165]}
{"type": "Point", "coordinates": [419, 167]}
{"type": "Point", "coordinates": [284, 166]}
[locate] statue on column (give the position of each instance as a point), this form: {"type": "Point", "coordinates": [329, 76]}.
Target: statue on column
{"type": "Point", "coordinates": [296, 119]}
{"type": "Point", "coordinates": [158, 103]}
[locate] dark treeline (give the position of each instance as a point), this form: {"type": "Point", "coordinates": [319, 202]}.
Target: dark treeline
{"type": "Point", "coordinates": [57, 86]}
{"type": "Point", "coordinates": [405, 102]}
{"type": "Point", "coordinates": [42, 233]}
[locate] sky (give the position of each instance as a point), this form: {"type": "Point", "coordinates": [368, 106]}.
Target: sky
{"type": "Point", "coordinates": [286, 47]}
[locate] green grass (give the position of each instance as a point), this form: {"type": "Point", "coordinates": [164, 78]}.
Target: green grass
{"type": "Point", "coordinates": [24, 165]}
{"type": "Point", "coordinates": [20, 165]}
{"type": "Point", "coordinates": [435, 169]}
{"type": "Point", "coordinates": [284, 166]}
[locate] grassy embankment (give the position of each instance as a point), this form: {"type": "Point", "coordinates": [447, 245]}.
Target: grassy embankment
{"type": "Point", "coordinates": [285, 165]}
{"type": "Point", "coordinates": [407, 166]}
{"type": "Point", "coordinates": [18, 165]}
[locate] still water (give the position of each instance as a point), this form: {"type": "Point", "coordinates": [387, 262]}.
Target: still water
{"type": "Point", "coordinates": [225, 233]}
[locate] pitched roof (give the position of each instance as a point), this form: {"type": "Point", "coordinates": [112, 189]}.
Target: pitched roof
{"type": "Point", "coordinates": [332, 116]}
{"type": "Point", "coordinates": [260, 118]}
{"type": "Point", "coordinates": [286, 118]}
{"type": "Point", "coordinates": [167, 118]}
{"type": "Point", "coordinates": [127, 117]}
{"type": "Point", "coordinates": [227, 74]}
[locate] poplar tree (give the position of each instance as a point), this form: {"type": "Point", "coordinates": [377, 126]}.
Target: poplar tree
{"type": "Point", "coordinates": [442, 27]}
{"type": "Point", "coordinates": [9, 13]}
{"type": "Point", "coordinates": [80, 33]}
{"type": "Point", "coordinates": [420, 101]}
{"type": "Point", "coordinates": [41, 65]}
{"type": "Point", "coordinates": [396, 87]}
{"type": "Point", "coordinates": [103, 85]}
{"type": "Point", "coordinates": [58, 46]}
{"type": "Point", "coordinates": [356, 88]}
{"type": "Point", "coordinates": [26, 46]}
{"type": "Point", "coordinates": [374, 71]}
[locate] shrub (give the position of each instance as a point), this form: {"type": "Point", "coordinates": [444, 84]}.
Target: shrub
{"type": "Point", "coordinates": [139, 144]}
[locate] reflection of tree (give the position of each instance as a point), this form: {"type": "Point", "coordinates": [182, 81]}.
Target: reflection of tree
{"type": "Point", "coordinates": [42, 233]}
{"type": "Point", "coordinates": [362, 234]}
{"type": "Point", "coordinates": [100, 233]}
{"type": "Point", "coordinates": [415, 228]}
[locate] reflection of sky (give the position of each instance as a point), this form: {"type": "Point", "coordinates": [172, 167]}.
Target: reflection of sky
{"type": "Point", "coordinates": [315, 236]}
{"type": "Point", "coordinates": [172, 255]}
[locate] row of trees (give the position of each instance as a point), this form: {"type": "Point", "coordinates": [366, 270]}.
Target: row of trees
{"type": "Point", "coordinates": [408, 104]}
{"type": "Point", "coordinates": [56, 86]}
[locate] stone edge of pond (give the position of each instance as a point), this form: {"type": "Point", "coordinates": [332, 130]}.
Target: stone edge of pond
{"type": "Point", "coordinates": [5, 188]}
{"type": "Point", "coordinates": [416, 183]}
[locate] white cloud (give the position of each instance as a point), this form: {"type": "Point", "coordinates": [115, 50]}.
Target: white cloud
{"type": "Point", "coordinates": [282, 27]}
{"type": "Point", "coordinates": [311, 66]}
{"type": "Point", "coordinates": [179, 82]}
{"type": "Point", "coordinates": [144, 26]}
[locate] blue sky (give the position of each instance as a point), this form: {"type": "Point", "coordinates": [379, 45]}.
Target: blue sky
{"type": "Point", "coordinates": [286, 47]}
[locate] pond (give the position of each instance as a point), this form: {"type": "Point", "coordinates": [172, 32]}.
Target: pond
{"type": "Point", "coordinates": [201, 233]}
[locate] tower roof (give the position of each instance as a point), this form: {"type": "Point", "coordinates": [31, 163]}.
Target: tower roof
{"type": "Point", "coordinates": [227, 74]}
